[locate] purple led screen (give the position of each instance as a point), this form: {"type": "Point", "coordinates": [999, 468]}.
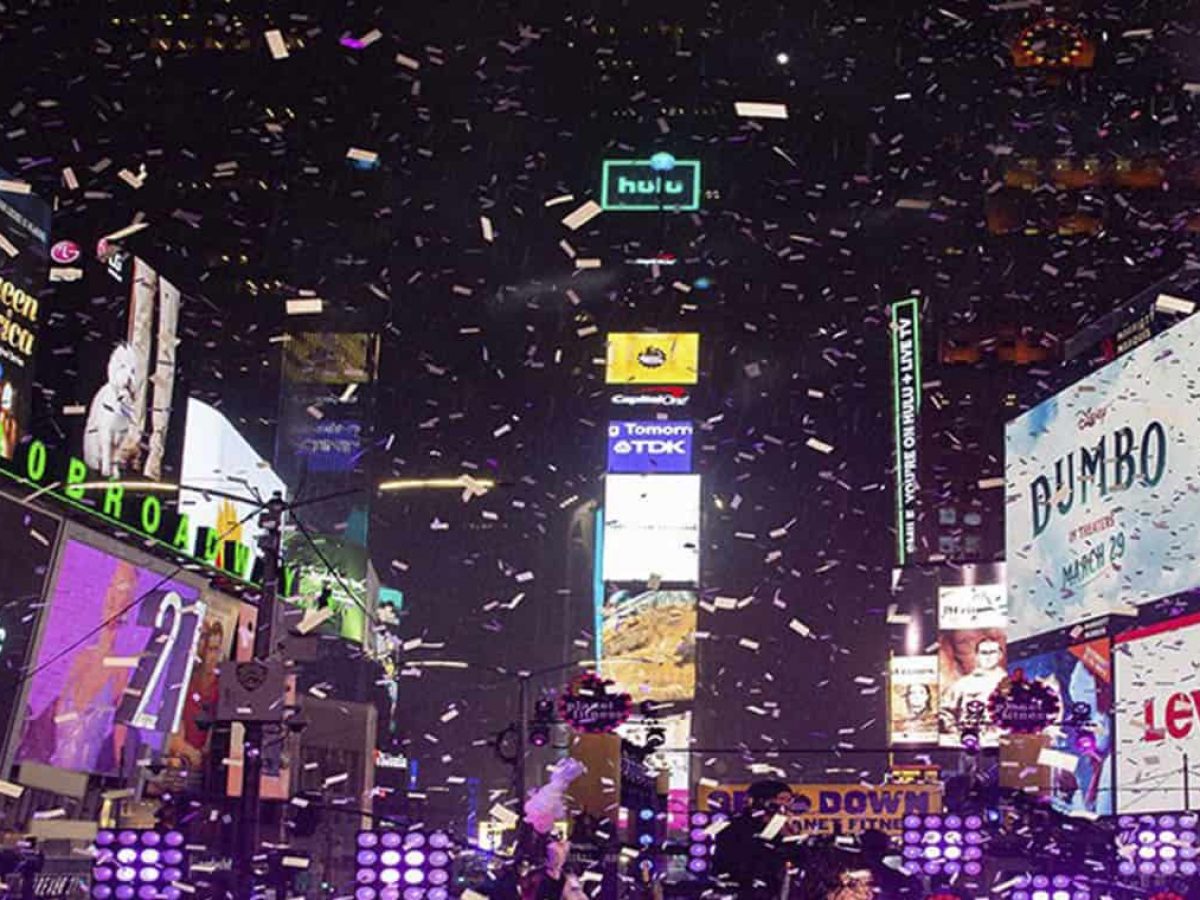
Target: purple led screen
{"type": "Point", "coordinates": [90, 706]}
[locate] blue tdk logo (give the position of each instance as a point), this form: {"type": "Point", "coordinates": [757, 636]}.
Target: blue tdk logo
{"type": "Point", "coordinates": [645, 447]}
{"type": "Point", "coordinates": [633, 185]}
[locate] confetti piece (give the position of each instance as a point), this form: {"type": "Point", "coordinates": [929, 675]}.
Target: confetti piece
{"type": "Point", "coordinates": [407, 61]}
{"type": "Point", "coordinates": [582, 215]}
{"type": "Point", "coordinates": [276, 44]}
{"type": "Point", "coordinates": [8, 186]}
{"type": "Point", "coordinates": [750, 110]}
{"type": "Point", "coordinates": [363, 156]}
{"type": "Point", "coordinates": [819, 446]}
{"type": "Point", "coordinates": [304, 306]}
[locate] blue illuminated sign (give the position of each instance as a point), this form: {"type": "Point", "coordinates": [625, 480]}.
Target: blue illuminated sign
{"type": "Point", "coordinates": [645, 447]}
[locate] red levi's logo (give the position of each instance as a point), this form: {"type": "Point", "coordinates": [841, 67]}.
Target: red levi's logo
{"type": "Point", "coordinates": [1179, 715]}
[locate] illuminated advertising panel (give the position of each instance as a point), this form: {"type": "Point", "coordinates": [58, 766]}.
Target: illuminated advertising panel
{"type": "Point", "coordinates": [648, 643]}
{"type": "Point", "coordinates": [906, 412]}
{"type": "Point", "coordinates": [217, 457]}
{"type": "Point", "coordinates": [638, 185]}
{"type": "Point", "coordinates": [94, 697]}
{"type": "Point", "coordinates": [652, 358]}
{"type": "Point", "coordinates": [1102, 509]}
{"type": "Point", "coordinates": [128, 377]}
{"type": "Point", "coordinates": [971, 659]}
{"type": "Point", "coordinates": [652, 528]}
{"type": "Point", "coordinates": [25, 228]}
{"type": "Point", "coordinates": [188, 747]}
{"type": "Point", "coordinates": [913, 686]}
{"type": "Point", "coordinates": [1079, 776]}
{"type": "Point", "coordinates": [1158, 717]}
{"type": "Point", "coordinates": [28, 545]}
{"type": "Point", "coordinates": [644, 447]}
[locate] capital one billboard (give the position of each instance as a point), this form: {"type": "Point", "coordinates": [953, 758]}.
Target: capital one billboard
{"type": "Point", "coordinates": [644, 447]}
{"type": "Point", "coordinates": [1157, 714]}
{"type": "Point", "coordinates": [1103, 504]}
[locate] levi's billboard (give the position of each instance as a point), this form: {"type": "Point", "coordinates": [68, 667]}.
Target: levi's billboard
{"type": "Point", "coordinates": [645, 447]}
{"type": "Point", "coordinates": [1157, 715]}
{"type": "Point", "coordinates": [1102, 507]}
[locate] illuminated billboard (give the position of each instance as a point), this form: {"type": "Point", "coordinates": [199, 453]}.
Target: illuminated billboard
{"type": "Point", "coordinates": [913, 700]}
{"type": "Point", "coordinates": [25, 228]}
{"type": "Point", "coordinates": [638, 185]}
{"type": "Point", "coordinates": [129, 376]}
{"type": "Point", "coordinates": [645, 447]}
{"type": "Point", "coordinates": [115, 653]}
{"type": "Point", "coordinates": [648, 643]}
{"type": "Point", "coordinates": [652, 528]}
{"type": "Point", "coordinates": [971, 658]}
{"type": "Point", "coordinates": [1079, 775]}
{"type": "Point", "coordinates": [1102, 506]}
{"type": "Point", "coordinates": [652, 358]}
{"type": "Point", "coordinates": [906, 413]}
{"type": "Point", "coordinates": [29, 539]}
{"type": "Point", "coordinates": [217, 457]}
{"type": "Point", "coordinates": [1158, 717]}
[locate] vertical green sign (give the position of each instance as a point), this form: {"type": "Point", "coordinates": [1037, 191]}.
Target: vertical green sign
{"type": "Point", "coordinates": [906, 411]}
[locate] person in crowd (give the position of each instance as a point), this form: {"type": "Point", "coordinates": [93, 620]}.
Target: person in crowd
{"type": "Point", "coordinates": [891, 883]}
{"type": "Point", "coordinates": [751, 866]}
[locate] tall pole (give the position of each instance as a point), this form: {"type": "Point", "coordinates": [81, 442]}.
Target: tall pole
{"type": "Point", "coordinates": [522, 737]}
{"type": "Point", "coordinates": [252, 767]}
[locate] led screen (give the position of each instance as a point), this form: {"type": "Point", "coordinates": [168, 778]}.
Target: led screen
{"type": "Point", "coordinates": [648, 643]}
{"type": "Point", "coordinates": [971, 658]}
{"type": "Point", "coordinates": [29, 543]}
{"type": "Point", "coordinates": [1080, 776]}
{"type": "Point", "coordinates": [115, 653]}
{"type": "Point", "coordinates": [913, 683]}
{"type": "Point", "coordinates": [1102, 507]}
{"type": "Point", "coordinates": [652, 528]}
{"type": "Point", "coordinates": [649, 358]}
{"type": "Point", "coordinates": [647, 447]}
{"type": "Point", "coordinates": [217, 457]}
{"type": "Point", "coordinates": [1158, 717]}
{"type": "Point", "coordinates": [25, 225]}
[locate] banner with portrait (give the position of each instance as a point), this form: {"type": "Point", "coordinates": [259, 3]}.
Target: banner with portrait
{"type": "Point", "coordinates": [913, 700]}
{"type": "Point", "coordinates": [972, 652]}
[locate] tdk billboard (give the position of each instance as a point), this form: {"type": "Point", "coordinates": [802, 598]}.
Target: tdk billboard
{"type": "Point", "coordinates": [644, 447]}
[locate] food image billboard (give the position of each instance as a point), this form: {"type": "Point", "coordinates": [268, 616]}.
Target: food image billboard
{"type": "Point", "coordinates": [1157, 714]}
{"type": "Point", "coordinates": [913, 698]}
{"type": "Point", "coordinates": [648, 643]}
{"type": "Point", "coordinates": [652, 358]}
{"type": "Point", "coordinates": [25, 228]}
{"type": "Point", "coordinates": [971, 661]}
{"type": "Point", "coordinates": [95, 697]}
{"type": "Point", "coordinates": [652, 528]}
{"type": "Point", "coordinates": [1102, 509]}
{"type": "Point", "coordinates": [1081, 770]}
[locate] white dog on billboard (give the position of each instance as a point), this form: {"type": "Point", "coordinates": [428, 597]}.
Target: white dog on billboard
{"type": "Point", "coordinates": [111, 440]}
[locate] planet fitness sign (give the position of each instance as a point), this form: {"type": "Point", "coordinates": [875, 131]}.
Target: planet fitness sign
{"type": "Point", "coordinates": [1102, 509]}
{"type": "Point", "coordinates": [646, 447]}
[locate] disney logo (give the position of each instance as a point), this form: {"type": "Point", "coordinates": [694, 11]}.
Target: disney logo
{"type": "Point", "coordinates": [1090, 416]}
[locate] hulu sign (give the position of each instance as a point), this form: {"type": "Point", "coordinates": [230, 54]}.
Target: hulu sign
{"type": "Point", "coordinates": [650, 185]}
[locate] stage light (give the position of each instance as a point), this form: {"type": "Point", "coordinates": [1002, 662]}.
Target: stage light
{"type": "Point", "coordinates": [1162, 845]}
{"type": "Point", "coordinates": [700, 847]}
{"type": "Point", "coordinates": [949, 845]}
{"type": "Point", "coordinates": [411, 865]}
{"type": "Point", "coordinates": [133, 864]}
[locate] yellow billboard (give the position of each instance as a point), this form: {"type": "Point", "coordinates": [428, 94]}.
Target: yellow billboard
{"type": "Point", "coordinates": [652, 358]}
{"type": "Point", "coordinates": [838, 808]}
